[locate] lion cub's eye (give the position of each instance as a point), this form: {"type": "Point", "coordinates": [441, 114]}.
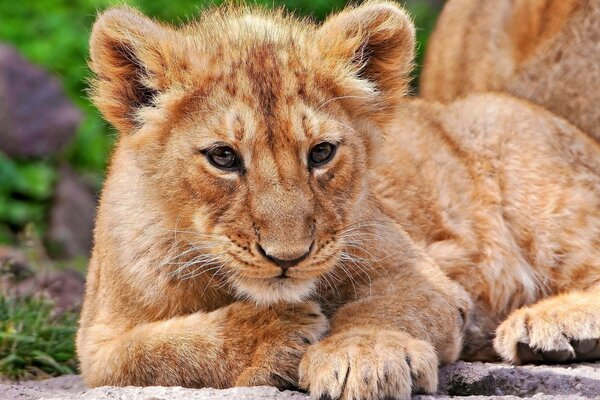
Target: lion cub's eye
{"type": "Point", "coordinates": [321, 154]}
{"type": "Point", "coordinates": [222, 157]}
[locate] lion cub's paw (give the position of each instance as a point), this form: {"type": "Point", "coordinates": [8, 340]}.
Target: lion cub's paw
{"type": "Point", "coordinates": [283, 343]}
{"type": "Point", "coordinates": [560, 329]}
{"type": "Point", "coordinates": [369, 364]}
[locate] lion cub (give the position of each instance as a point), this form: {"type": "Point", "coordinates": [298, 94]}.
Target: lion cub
{"type": "Point", "coordinates": [275, 212]}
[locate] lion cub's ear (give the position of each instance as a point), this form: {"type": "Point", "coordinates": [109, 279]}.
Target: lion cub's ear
{"type": "Point", "coordinates": [376, 41]}
{"type": "Point", "coordinates": [133, 58]}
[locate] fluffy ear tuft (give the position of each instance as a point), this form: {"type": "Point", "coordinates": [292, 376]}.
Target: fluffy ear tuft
{"type": "Point", "coordinates": [132, 58]}
{"type": "Point", "coordinates": [376, 42]}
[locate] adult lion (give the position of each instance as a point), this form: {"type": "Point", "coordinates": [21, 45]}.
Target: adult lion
{"type": "Point", "coordinates": [545, 51]}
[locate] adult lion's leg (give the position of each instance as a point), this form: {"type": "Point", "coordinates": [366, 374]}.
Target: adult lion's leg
{"type": "Point", "coordinates": [391, 339]}
{"type": "Point", "coordinates": [561, 328]}
{"type": "Point", "coordinates": [237, 345]}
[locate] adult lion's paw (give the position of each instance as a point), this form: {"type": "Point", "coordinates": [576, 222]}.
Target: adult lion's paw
{"type": "Point", "coordinates": [283, 341]}
{"type": "Point", "coordinates": [369, 364]}
{"type": "Point", "coordinates": [560, 329]}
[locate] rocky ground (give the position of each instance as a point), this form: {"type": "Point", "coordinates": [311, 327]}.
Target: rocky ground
{"type": "Point", "coordinates": [476, 380]}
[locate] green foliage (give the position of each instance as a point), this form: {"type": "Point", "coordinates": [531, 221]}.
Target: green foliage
{"type": "Point", "coordinates": [34, 342]}
{"type": "Point", "coordinates": [425, 15]}
{"type": "Point", "coordinates": [24, 194]}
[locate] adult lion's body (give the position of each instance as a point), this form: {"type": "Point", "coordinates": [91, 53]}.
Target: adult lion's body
{"type": "Point", "coordinates": [505, 197]}
{"type": "Point", "coordinates": [544, 51]}
{"type": "Point", "coordinates": [265, 162]}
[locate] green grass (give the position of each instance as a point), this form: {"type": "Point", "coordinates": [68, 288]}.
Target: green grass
{"type": "Point", "coordinates": [34, 343]}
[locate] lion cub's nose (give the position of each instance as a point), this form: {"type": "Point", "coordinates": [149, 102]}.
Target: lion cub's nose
{"type": "Point", "coordinates": [286, 263]}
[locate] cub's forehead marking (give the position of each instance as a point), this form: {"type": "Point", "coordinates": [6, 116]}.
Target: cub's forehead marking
{"type": "Point", "coordinates": [240, 124]}
{"type": "Point", "coordinates": [310, 123]}
{"type": "Point", "coordinates": [264, 71]}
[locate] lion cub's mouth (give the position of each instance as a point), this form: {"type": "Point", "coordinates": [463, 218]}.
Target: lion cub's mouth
{"type": "Point", "coordinates": [268, 284]}
{"type": "Point", "coordinates": [275, 289]}
{"type": "Point", "coordinates": [309, 268]}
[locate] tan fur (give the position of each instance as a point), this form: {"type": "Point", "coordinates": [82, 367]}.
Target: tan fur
{"type": "Point", "coordinates": [501, 194]}
{"type": "Point", "coordinates": [545, 51]}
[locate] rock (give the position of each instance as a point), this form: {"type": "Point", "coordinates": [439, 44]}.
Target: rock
{"type": "Point", "coordinates": [50, 390]}
{"type": "Point", "coordinates": [476, 380]}
{"type": "Point", "coordinates": [72, 214]}
{"type": "Point", "coordinates": [36, 118]}
{"type": "Point", "coordinates": [13, 265]}
{"type": "Point", "coordinates": [468, 379]}
{"type": "Point", "coordinates": [64, 288]}
{"type": "Point", "coordinates": [18, 279]}
{"type": "Point", "coordinates": [60, 387]}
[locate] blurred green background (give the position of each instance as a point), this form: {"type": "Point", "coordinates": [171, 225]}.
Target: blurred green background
{"type": "Point", "coordinates": [54, 35]}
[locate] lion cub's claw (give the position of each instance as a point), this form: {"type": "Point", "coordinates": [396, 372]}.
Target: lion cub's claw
{"type": "Point", "coordinates": [557, 330]}
{"type": "Point", "coordinates": [260, 376]}
{"type": "Point", "coordinates": [369, 364]}
{"type": "Point", "coordinates": [583, 350]}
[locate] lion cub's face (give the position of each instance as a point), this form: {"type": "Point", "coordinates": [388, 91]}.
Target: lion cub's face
{"type": "Point", "coordinates": [264, 177]}
{"type": "Point", "coordinates": [254, 134]}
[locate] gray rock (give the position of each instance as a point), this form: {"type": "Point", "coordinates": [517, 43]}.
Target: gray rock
{"type": "Point", "coordinates": [64, 288]}
{"type": "Point", "coordinates": [476, 380]}
{"type": "Point", "coordinates": [66, 387]}
{"type": "Point", "coordinates": [36, 118]}
{"type": "Point", "coordinates": [72, 214]}
{"type": "Point", "coordinates": [13, 265]}
{"type": "Point", "coordinates": [487, 379]}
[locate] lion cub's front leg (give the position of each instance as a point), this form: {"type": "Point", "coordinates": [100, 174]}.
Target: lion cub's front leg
{"type": "Point", "coordinates": [390, 341]}
{"type": "Point", "coordinates": [240, 344]}
{"type": "Point", "coordinates": [562, 328]}
{"type": "Point", "coordinates": [276, 358]}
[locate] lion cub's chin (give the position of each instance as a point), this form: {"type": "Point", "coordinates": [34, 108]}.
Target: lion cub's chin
{"type": "Point", "coordinates": [275, 290]}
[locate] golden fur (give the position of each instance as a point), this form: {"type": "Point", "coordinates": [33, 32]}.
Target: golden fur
{"type": "Point", "coordinates": [545, 51]}
{"type": "Point", "coordinates": [499, 193]}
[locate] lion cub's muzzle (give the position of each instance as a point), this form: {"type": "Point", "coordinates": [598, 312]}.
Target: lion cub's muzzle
{"type": "Point", "coordinates": [287, 261]}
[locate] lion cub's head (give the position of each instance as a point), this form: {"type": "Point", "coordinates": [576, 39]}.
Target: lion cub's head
{"type": "Point", "coordinates": [254, 133]}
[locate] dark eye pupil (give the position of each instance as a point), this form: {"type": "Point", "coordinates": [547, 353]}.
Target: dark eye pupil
{"type": "Point", "coordinates": [321, 153]}
{"type": "Point", "coordinates": [222, 157]}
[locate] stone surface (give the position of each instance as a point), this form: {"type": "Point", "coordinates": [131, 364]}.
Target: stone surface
{"type": "Point", "coordinates": [475, 380]}
{"type": "Point", "coordinates": [36, 118]}
{"type": "Point", "coordinates": [469, 379]}
{"type": "Point", "coordinates": [64, 288]}
{"type": "Point", "coordinates": [72, 214]}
